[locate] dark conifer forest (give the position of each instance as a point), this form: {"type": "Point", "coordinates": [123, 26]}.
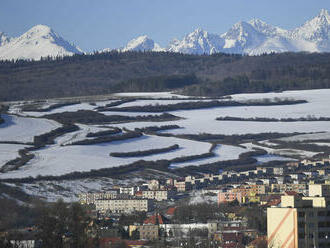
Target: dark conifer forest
{"type": "Point", "coordinates": [206, 75]}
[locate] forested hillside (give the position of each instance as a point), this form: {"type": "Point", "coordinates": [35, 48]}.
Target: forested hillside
{"type": "Point", "coordinates": [218, 74]}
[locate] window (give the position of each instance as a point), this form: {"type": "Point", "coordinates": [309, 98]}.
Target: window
{"type": "Point", "coordinates": [301, 224]}
{"type": "Point", "coordinates": [310, 214]}
{"type": "Point", "coordinates": [321, 213]}
{"type": "Point", "coordinates": [301, 235]}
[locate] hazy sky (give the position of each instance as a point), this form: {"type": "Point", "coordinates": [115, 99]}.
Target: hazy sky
{"type": "Point", "coordinates": [97, 24]}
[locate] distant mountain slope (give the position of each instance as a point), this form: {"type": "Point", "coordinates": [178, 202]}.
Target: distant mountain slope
{"type": "Point", "coordinates": [39, 41]}
{"type": "Point", "coordinates": [198, 42]}
{"type": "Point", "coordinates": [142, 43]}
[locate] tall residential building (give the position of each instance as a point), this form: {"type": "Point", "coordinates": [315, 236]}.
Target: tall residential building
{"type": "Point", "coordinates": [301, 221]}
{"type": "Point", "coordinates": [124, 205]}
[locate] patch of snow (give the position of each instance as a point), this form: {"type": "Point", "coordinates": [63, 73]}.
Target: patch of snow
{"type": "Point", "coordinates": [9, 152]}
{"type": "Point", "coordinates": [21, 129]}
{"type": "Point", "coordinates": [222, 153]}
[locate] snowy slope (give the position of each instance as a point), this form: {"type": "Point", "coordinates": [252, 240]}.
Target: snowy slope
{"type": "Point", "coordinates": [257, 37]}
{"type": "Point", "coordinates": [315, 33]}
{"type": "Point", "coordinates": [142, 43]}
{"type": "Point", "coordinates": [198, 42]}
{"type": "Point", "coordinates": [39, 41]}
{"type": "Point", "coordinates": [4, 39]}
{"type": "Point", "coordinates": [20, 129]}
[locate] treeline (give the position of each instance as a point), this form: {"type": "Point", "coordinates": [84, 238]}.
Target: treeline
{"type": "Point", "coordinates": [143, 153]}
{"type": "Point", "coordinates": [107, 139]}
{"type": "Point", "coordinates": [153, 129]}
{"type": "Point", "coordinates": [115, 104]}
{"type": "Point", "coordinates": [234, 139]}
{"type": "Point", "coordinates": [33, 108]}
{"type": "Point", "coordinates": [93, 117]}
{"type": "Point", "coordinates": [2, 110]}
{"type": "Point", "coordinates": [246, 84]}
{"type": "Point", "coordinates": [191, 158]}
{"type": "Point", "coordinates": [48, 138]}
{"type": "Point", "coordinates": [213, 75]}
{"type": "Point", "coordinates": [112, 131]}
{"type": "Point", "coordinates": [202, 104]}
{"type": "Point", "coordinates": [264, 119]}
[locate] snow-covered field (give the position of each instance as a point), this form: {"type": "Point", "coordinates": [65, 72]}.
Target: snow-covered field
{"type": "Point", "coordinates": [59, 160]}
{"type": "Point", "coordinates": [69, 108]}
{"type": "Point", "coordinates": [9, 152]}
{"type": "Point", "coordinates": [268, 157]}
{"type": "Point", "coordinates": [222, 153]}
{"type": "Point", "coordinates": [203, 120]}
{"type": "Point", "coordinates": [159, 102]}
{"type": "Point", "coordinates": [282, 152]}
{"type": "Point", "coordinates": [22, 129]}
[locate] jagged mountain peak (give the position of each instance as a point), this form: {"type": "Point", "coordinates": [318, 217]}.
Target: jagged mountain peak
{"type": "Point", "coordinates": [315, 30]}
{"type": "Point", "coordinates": [199, 32]}
{"type": "Point", "coordinates": [40, 29]}
{"type": "Point", "coordinates": [197, 42]}
{"type": "Point", "coordinates": [239, 30]}
{"type": "Point", "coordinates": [142, 43]}
{"type": "Point", "coordinates": [39, 41]}
{"type": "Point", "coordinates": [324, 13]}
{"type": "Point", "coordinates": [266, 28]}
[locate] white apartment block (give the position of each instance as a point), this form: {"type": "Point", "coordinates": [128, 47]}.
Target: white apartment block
{"type": "Point", "coordinates": [89, 198]}
{"type": "Point", "coordinates": [158, 195]}
{"type": "Point", "coordinates": [124, 205]}
{"type": "Point", "coordinates": [127, 190]}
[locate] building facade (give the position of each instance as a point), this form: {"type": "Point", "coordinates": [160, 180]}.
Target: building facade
{"type": "Point", "coordinates": [158, 195]}
{"type": "Point", "coordinates": [301, 221]}
{"type": "Point", "coordinates": [124, 205]}
{"type": "Point", "coordinates": [89, 198]}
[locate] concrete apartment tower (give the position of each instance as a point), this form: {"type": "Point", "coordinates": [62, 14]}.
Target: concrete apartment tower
{"type": "Point", "coordinates": [301, 221]}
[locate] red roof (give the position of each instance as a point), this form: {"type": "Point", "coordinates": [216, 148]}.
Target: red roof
{"type": "Point", "coordinates": [291, 192]}
{"type": "Point", "coordinates": [258, 241]}
{"type": "Point", "coordinates": [274, 202]}
{"type": "Point", "coordinates": [155, 219]}
{"type": "Point", "coordinates": [138, 193]}
{"type": "Point", "coordinates": [171, 211]}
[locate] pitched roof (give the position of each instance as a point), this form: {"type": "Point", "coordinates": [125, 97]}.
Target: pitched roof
{"type": "Point", "coordinates": [291, 192]}
{"type": "Point", "coordinates": [171, 211]}
{"type": "Point", "coordinates": [156, 219]}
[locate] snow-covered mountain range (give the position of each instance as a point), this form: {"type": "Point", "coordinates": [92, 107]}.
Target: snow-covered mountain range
{"type": "Point", "coordinates": [253, 37]}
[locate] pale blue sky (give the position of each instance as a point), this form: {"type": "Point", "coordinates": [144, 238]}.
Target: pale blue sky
{"type": "Point", "coordinates": [97, 24]}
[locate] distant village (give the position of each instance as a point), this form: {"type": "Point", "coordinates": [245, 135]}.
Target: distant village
{"type": "Point", "coordinates": [284, 206]}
